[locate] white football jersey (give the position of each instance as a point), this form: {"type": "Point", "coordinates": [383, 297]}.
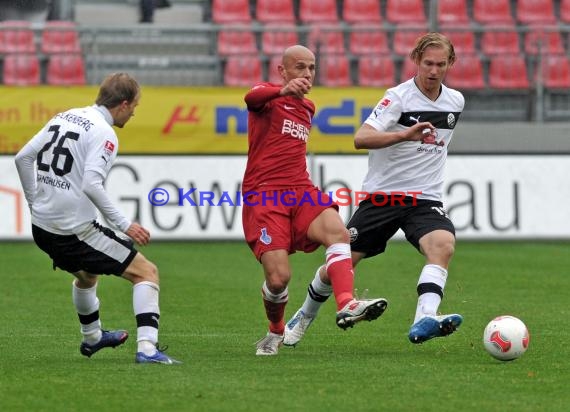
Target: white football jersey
{"type": "Point", "coordinates": [70, 144]}
{"type": "Point", "coordinates": [412, 166]}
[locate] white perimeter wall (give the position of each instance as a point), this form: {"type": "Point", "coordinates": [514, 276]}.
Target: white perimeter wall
{"type": "Point", "coordinates": [487, 196]}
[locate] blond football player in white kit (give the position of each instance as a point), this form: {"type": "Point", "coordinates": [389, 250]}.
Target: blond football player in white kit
{"type": "Point", "coordinates": [62, 170]}
{"type": "Point", "coordinates": [407, 136]}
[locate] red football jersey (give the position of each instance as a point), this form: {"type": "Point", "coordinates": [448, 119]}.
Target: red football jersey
{"type": "Point", "coordinates": [278, 130]}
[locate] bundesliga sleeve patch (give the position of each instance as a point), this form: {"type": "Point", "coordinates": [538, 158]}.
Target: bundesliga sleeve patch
{"type": "Point", "coordinates": [384, 103]}
{"type": "Point", "coordinates": [109, 147]}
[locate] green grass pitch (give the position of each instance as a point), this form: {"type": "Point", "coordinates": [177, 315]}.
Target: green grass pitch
{"type": "Point", "coordinates": [212, 314]}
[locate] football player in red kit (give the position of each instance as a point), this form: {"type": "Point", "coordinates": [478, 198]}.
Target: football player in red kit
{"type": "Point", "coordinates": [283, 211]}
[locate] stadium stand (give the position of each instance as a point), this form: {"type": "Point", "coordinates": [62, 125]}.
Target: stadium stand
{"type": "Point", "coordinates": [275, 11]}
{"type": "Point", "coordinates": [16, 36]}
{"type": "Point", "coordinates": [326, 38]}
{"type": "Point", "coordinates": [376, 71]}
{"type": "Point", "coordinates": [231, 11]}
{"type": "Point", "coordinates": [273, 75]}
{"type": "Point", "coordinates": [60, 37]}
{"type": "Point", "coordinates": [556, 71]}
{"type": "Point", "coordinates": [492, 11]}
{"type": "Point", "coordinates": [535, 11]}
{"type": "Point", "coordinates": [65, 70]}
{"type": "Point", "coordinates": [334, 70]}
{"type": "Point", "coordinates": [361, 11]}
{"type": "Point", "coordinates": [463, 40]}
{"type": "Point", "coordinates": [452, 12]}
{"type": "Point", "coordinates": [318, 11]}
{"type": "Point", "coordinates": [236, 40]}
{"type": "Point", "coordinates": [539, 40]}
{"type": "Point", "coordinates": [404, 37]}
{"type": "Point", "coordinates": [405, 11]}
{"type": "Point", "coordinates": [21, 70]}
{"type": "Point", "coordinates": [191, 42]}
{"type": "Point", "coordinates": [504, 39]}
{"type": "Point", "coordinates": [242, 70]}
{"type": "Point", "coordinates": [277, 37]}
{"type": "Point", "coordinates": [565, 11]}
{"type": "Point", "coordinates": [508, 71]}
{"type": "Point", "coordinates": [466, 73]}
{"type": "Point", "coordinates": [366, 39]}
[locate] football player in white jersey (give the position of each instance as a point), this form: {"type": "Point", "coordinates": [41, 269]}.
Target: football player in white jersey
{"type": "Point", "coordinates": [407, 136]}
{"type": "Point", "coordinates": [62, 170]}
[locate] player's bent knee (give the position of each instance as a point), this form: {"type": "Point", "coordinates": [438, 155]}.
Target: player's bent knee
{"type": "Point", "coordinates": [141, 269]}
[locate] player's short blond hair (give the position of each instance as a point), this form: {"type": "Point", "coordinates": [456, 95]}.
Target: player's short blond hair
{"type": "Point", "coordinates": [116, 88]}
{"type": "Point", "coordinates": [432, 39]}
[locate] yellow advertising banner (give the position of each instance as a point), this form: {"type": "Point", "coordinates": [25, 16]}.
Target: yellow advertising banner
{"type": "Point", "coordinates": [184, 120]}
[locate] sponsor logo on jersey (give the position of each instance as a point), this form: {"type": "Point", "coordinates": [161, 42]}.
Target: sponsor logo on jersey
{"type": "Point", "coordinates": [297, 130]}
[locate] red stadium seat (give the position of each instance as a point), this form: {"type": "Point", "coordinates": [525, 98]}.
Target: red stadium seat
{"type": "Point", "coordinates": [466, 73]}
{"type": "Point", "coordinates": [236, 40]}
{"type": "Point", "coordinates": [272, 71]}
{"type": "Point", "coordinates": [565, 11]}
{"type": "Point", "coordinates": [535, 11]}
{"type": "Point", "coordinates": [405, 11]}
{"type": "Point", "coordinates": [242, 70]}
{"type": "Point", "coordinates": [65, 70]}
{"type": "Point", "coordinates": [60, 37]}
{"type": "Point", "coordinates": [334, 70]}
{"type": "Point", "coordinates": [366, 39]}
{"type": "Point", "coordinates": [405, 38]}
{"type": "Point", "coordinates": [16, 37]}
{"type": "Point", "coordinates": [230, 11]}
{"type": "Point", "coordinates": [500, 41]}
{"type": "Point", "coordinates": [326, 38]}
{"type": "Point", "coordinates": [463, 40]}
{"type": "Point", "coordinates": [492, 11]}
{"type": "Point", "coordinates": [556, 71]}
{"type": "Point", "coordinates": [409, 69]}
{"type": "Point", "coordinates": [21, 70]}
{"type": "Point", "coordinates": [318, 11]}
{"type": "Point", "coordinates": [508, 72]}
{"type": "Point", "coordinates": [276, 38]}
{"type": "Point", "coordinates": [376, 71]}
{"type": "Point", "coordinates": [275, 11]}
{"type": "Point", "coordinates": [361, 11]}
{"type": "Point", "coordinates": [550, 42]}
{"type": "Point", "coordinates": [452, 12]}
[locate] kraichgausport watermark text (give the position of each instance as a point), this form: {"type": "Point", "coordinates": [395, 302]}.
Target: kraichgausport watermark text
{"type": "Point", "coordinates": [341, 196]}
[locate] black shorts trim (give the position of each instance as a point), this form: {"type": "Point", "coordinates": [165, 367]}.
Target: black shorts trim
{"type": "Point", "coordinates": [96, 250]}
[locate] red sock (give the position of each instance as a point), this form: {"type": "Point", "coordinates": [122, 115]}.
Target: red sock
{"type": "Point", "coordinates": [341, 273]}
{"type": "Point", "coordinates": [275, 309]}
{"type": "Point", "coordinates": [276, 315]}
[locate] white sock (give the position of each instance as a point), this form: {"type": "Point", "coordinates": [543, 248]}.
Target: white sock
{"type": "Point", "coordinates": [147, 313]}
{"type": "Point", "coordinates": [430, 290]}
{"type": "Point", "coordinates": [87, 307]}
{"type": "Point", "coordinates": [317, 294]}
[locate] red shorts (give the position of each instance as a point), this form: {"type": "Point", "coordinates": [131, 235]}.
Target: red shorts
{"type": "Point", "coordinates": [279, 219]}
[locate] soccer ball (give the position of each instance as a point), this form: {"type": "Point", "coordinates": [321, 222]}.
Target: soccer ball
{"type": "Point", "coordinates": [506, 338]}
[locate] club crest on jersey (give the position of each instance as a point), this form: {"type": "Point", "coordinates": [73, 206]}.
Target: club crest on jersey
{"type": "Point", "coordinates": [353, 233]}
{"type": "Point", "coordinates": [451, 120]}
{"type": "Point", "coordinates": [109, 147]}
{"type": "Point", "coordinates": [265, 238]}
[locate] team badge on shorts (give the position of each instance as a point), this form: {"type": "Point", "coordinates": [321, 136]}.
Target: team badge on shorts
{"type": "Point", "coordinates": [265, 238]}
{"type": "Point", "coordinates": [353, 232]}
